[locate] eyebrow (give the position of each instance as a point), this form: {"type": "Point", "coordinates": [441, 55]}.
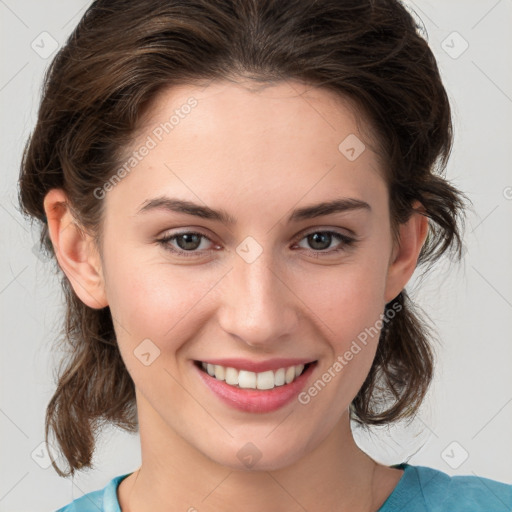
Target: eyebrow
{"type": "Point", "coordinates": [344, 204]}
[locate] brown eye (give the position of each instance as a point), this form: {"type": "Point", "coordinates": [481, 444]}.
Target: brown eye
{"type": "Point", "coordinates": [185, 244]}
{"type": "Point", "coordinates": [188, 241]}
{"type": "Point", "coordinates": [319, 241]}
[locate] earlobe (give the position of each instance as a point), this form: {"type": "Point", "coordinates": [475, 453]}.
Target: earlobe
{"type": "Point", "coordinates": [412, 236]}
{"type": "Point", "coordinates": [75, 250]}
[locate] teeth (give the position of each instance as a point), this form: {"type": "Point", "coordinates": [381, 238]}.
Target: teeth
{"type": "Point", "coordinates": [231, 376]}
{"type": "Point", "coordinates": [247, 379]}
{"type": "Point", "coordinates": [220, 372]}
{"type": "Point", "coordinates": [279, 377]}
{"type": "Point", "coordinates": [265, 380]}
{"type": "Point", "coordinates": [251, 380]}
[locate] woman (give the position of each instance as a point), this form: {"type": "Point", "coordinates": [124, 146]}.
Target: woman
{"type": "Point", "coordinates": [237, 194]}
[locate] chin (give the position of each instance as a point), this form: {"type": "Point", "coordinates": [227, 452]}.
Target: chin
{"type": "Point", "coordinates": [256, 456]}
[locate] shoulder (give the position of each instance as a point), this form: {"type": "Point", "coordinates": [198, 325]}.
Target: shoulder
{"type": "Point", "coordinates": [468, 492]}
{"type": "Point", "coordinates": [103, 500]}
{"type": "Point", "coordinates": [426, 489]}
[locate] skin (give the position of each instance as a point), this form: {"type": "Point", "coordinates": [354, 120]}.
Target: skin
{"type": "Point", "coordinates": [258, 153]}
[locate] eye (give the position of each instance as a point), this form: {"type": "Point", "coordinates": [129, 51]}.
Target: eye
{"type": "Point", "coordinates": [188, 243]}
{"type": "Point", "coordinates": [319, 241]}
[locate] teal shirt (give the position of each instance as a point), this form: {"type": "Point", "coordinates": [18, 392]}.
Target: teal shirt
{"type": "Point", "coordinates": [421, 489]}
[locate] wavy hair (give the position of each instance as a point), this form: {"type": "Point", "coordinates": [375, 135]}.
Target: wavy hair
{"type": "Point", "coordinates": [123, 52]}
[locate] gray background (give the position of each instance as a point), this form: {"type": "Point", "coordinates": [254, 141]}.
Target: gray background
{"type": "Point", "coordinates": [465, 424]}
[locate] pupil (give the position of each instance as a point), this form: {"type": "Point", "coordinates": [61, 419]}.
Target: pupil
{"type": "Point", "coordinates": [316, 238]}
{"type": "Point", "coordinates": [189, 238]}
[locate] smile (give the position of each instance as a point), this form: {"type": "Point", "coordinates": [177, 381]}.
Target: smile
{"type": "Point", "coordinates": [255, 386]}
{"type": "Point", "coordinates": [246, 379]}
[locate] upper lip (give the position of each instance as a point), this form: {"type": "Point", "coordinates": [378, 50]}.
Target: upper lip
{"type": "Point", "coordinates": [258, 366]}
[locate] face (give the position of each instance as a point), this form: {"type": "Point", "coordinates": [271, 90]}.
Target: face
{"type": "Point", "coordinates": [259, 282]}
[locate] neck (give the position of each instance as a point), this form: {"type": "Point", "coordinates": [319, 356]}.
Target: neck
{"type": "Point", "coordinates": [335, 475]}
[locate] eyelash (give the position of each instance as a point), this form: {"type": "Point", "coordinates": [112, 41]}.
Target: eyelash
{"type": "Point", "coordinates": [347, 242]}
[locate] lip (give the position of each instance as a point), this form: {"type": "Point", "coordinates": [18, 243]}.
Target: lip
{"type": "Point", "coordinates": [257, 366]}
{"type": "Point", "coordinates": [254, 400]}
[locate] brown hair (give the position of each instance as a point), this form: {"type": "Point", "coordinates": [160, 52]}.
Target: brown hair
{"type": "Point", "coordinates": [125, 51]}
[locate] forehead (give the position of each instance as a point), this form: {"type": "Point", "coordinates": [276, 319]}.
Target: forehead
{"type": "Point", "coordinates": [227, 140]}
{"type": "Point", "coordinates": [276, 106]}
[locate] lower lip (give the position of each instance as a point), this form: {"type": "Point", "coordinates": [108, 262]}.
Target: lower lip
{"type": "Point", "coordinates": [254, 400]}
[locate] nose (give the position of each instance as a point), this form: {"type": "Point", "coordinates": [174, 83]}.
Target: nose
{"type": "Point", "coordinates": [258, 304]}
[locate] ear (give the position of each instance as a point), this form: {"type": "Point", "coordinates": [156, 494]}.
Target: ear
{"type": "Point", "coordinates": [75, 250]}
{"type": "Point", "coordinates": [405, 254]}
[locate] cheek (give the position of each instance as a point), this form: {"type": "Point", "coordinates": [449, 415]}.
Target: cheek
{"type": "Point", "coordinates": [348, 303]}
{"type": "Point", "coordinates": [346, 300]}
{"type": "Point", "coordinates": [156, 301]}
